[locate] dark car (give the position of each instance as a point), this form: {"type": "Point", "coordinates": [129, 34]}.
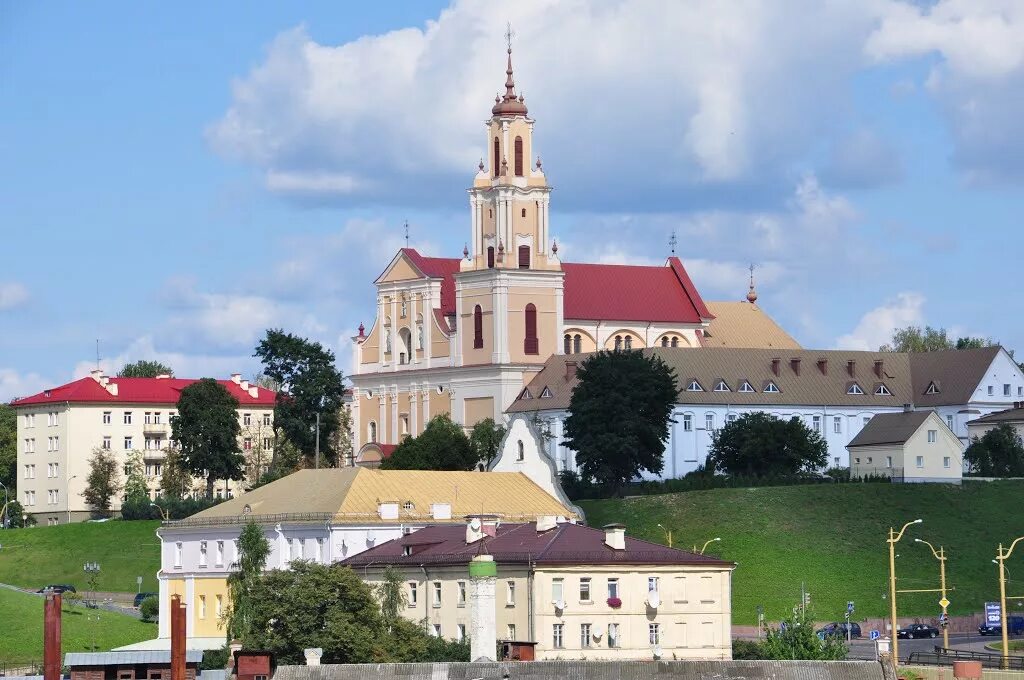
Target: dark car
{"type": "Point", "coordinates": [1015, 627]}
{"type": "Point", "coordinates": [58, 588]}
{"type": "Point", "coordinates": [142, 596]}
{"type": "Point", "coordinates": [839, 630]}
{"type": "Point", "coordinates": [918, 630]}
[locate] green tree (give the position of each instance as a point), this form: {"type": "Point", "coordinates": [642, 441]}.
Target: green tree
{"type": "Point", "coordinates": [796, 639]}
{"type": "Point", "coordinates": [619, 415]}
{"type": "Point", "coordinates": [135, 487]}
{"type": "Point", "coordinates": [103, 481]}
{"type": "Point", "coordinates": [442, 445]}
{"type": "Point", "coordinates": [759, 444]}
{"type": "Point", "coordinates": [310, 384]}
{"type": "Point", "coordinates": [486, 438]}
{"type": "Point", "coordinates": [391, 593]}
{"type": "Point", "coordinates": [206, 429]}
{"type": "Point", "coordinates": [150, 608]}
{"type": "Point", "coordinates": [15, 516]}
{"type": "Point", "coordinates": [9, 447]}
{"type": "Point", "coordinates": [144, 369]}
{"type": "Point", "coordinates": [998, 453]}
{"type": "Point", "coordinates": [917, 339]}
{"type": "Point", "coordinates": [253, 550]}
{"type": "Point", "coordinates": [175, 479]}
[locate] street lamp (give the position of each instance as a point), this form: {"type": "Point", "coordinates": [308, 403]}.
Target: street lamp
{"type": "Point", "coordinates": [163, 513]}
{"type": "Point", "coordinates": [1002, 556]}
{"type": "Point", "coordinates": [893, 539]}
{"type": "Point", "coordinates": [705, 546]}
{"type": "Point", "coordinates": [668, 535]}
{"type": "Point", "coordinates": [940, 555]}
{"type": "Point", "coordinates": [68, 494]}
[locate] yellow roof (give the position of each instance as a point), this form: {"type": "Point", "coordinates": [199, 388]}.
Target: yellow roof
{"type": "Point", "coordinates": [743, 324]}
{"type": "Point", "coordinates": [355, 492]}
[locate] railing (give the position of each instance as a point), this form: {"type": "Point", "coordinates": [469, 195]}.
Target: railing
{"type": "Point", "coordinates": [332, 517]}
{"type": "Point", "coordinates": [21, 668]}
{"type": "Point", "coordinates": [895, 473]}
{"type": "Point", "coordinates": [942, 656]}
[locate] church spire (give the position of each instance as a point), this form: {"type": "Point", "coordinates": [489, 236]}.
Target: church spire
{"type": "Point", "coordinates": [509, 105]}
{"type": "Point", "coordinates": [751, 294]}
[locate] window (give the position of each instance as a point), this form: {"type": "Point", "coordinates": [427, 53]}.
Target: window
{"type": "Point", "coordinates": [546, 393]}
{"type": "Point", "coordinates": [932, 436]}
{"type": "Point", "coordinates": [462, 593]}
{"type": "Point", "coordinates": [147, 418]}
{"type": "Point", "coordinates": [577, 343]}
{"type": "Point", "coordinates": [478, 328]}
{"type": "Point", "coordinates": [556, 635]}
{"type": "Point", "coordinates": [490, 257]}
{"type": "Point", "coordinates": [694, 386]}
{"type": "Point", "coordinates": [412, 593]}
{"type": "Point", "coordinates": [30, 472]}
{"type": "Point", "coordinates": [945, 462]}
{"type": "Point", "coordinates": [675, 342]}
{"type": "Point", "coordinates": [746, 387]}
{"type": "Point", "coordinates": [127, 443]}
{"type": "Point", "coordinates": [523, 213]}
{"type": "Point", "coordinates": [664, 341]}
{"type": "Point", "coordinates": [652, 584]}
{"type": "Point", "coordinates": [687, 422]}
{"type": "Point", "coordinates": [54, 470]}
{"type": "Point", "coordinates": [460, 632]}
{"type": "Point", "coordinates": [771, 388]}
{"type": "Point", "coordinates": [557, 594]}
{"type": "Point", "coordinates": [837, 424]}
{"type": "Point", "coordinates": [949, 421]}
{"type": "Point", "coordinates": [882, 391]}
{"type": "Point", "coordinates": [567, 344]}
{"type": "Point", "coordinates": [247, 444]}
{"type": "Point", "coordinates": [1006, 389]}
{"type": "Point", "coordinates": [437, 594]}
{"type": "Point", "coordinates": [932, 389]}
{"type": "Point", "coordinates": [524, 257]}
{"type": "Point", "coordinates": [404, 421]}
{"type": "Point", "coordinates": [654, 633]}
{"type": "Point", "coordinates": [835, 461]}
{"type": "Point", "coordinates": [56, 496]}
{"type": "Point", "coordinates": [520, 453]}
{"type": "Point", "coordinates": [613, 635]}
{"type": "Point", "coordinates": [854, 388]}
{"type": "Point", "coordinates": [629, 342]}
{"type": "Point", "coordinates": [584, 635]}
{"type": "Point", "coordinates": [721, 386]}
{"type": "Point", "coordinates": [127, 417]}
{"type": "Point", "coordinates": [371, 431]}
{"type": "Point", "coordinates": [220, 605]}
{"type": "Point", "coordinates": [816, 423]}
{"type": "Point", "coordinates": [56, 443]}
{"type": "Point", "coordinates": [991, 390]}
{"type": "Point", "coordinates": [518, 151]}
{"type": "Point", "coordinates": [585, 589]}
{"type": "Point", "coordinates": [496, 156]}
{"type": "Point", "coordinates": [202, 606]}
{"type": "Point", "coordinates": [266, 419]}
{"type": "Point", "coordinates": [106, 417]}
{"type": "Point", "coordinates": [30, 420]}
{"type": "Point", "coordinates": [30, 446]}
{"type": "Point", "coordinates": [920, 461]}
{"type": "Point", "coordinates": [1020, 391]}
{"type": "Point", "coordinates": [268, 443]}
{"type": "Point", "coordinates": [613, 587]}
{"type": "Point", "coordinates": [220, 554]}
{"type": "Point", "coordinates": [618, 342]}
{"type": "Point", "coordinates": [888, 461]}
{"type": "Point", "coordinates": [177, 555]}
{"type": "Point", "coordinates": [247, 419]}
{"type": "Point", "coordinates": [510, 631]}
{"type": "Point", "coordinates": [202, 553]}
{"type": "Point", "coordinates": [709, 421]}
{"type": "Point", "coordinates": [530, 341]}
{"type": "Point", "coordinates": [53, 418]}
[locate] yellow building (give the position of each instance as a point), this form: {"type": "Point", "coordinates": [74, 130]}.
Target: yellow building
{"type": "Point", "coordinates": [575, 591]}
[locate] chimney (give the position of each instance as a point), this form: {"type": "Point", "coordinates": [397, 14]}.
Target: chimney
{"type": "Point", "coordinates": [96, 374]}
{"type": "Point", "coordinates": [908, 408]}
{"type": "Point", "coordinates": [441, 510]}
{"type": "Point", "coordinates": [388, 510]}
{"type": "Point", "coordinates": [479, 526]}
{"type": "Point", "coordinates": [878, 368]}
{"type": "Point", "coordinates": [483, 633]}
{"type": "Point", "coordinates": [104, 380]}
{"type": "Point", "coordinates": [51, 637]}
{"type": "Point", "coordinates": [775, 366]}
{"type": "Point", "coordinates": [244, 384]}
{"type": "Point", "coordinates": [851, 368]}
{"type": "Point", "coordinates": [615, 536]}
{"type": "Point", "coordinates": [254, 391]}
{"type": "Point", "coordinates": [546, 523]}
{"type": "Point", "coordinates": [823, 366]}
{"type": "Point", "coordinates": [313, 655]}
{"type": "Point", "coordinates": [178, 641]}
{"type": "Point", "coordinates": [112, 388]}
{"type": "Point", "coordinates": [164, 376]}
{"type": "Point", "coordinates": [794, 363]}
{"type": "Point", "coordinates": [236, 378]}
{"type": "Point", "coordinates": [570, 370]}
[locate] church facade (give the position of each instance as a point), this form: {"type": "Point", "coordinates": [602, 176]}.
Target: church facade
{"type": "Point", "coordinates": [463, 336]}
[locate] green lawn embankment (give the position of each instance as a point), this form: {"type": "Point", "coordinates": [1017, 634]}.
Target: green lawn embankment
{"type": "Point", "coordinates": [22, 638]}
{"type": "Point", "coordinates": [38, 556]}
{"type": "Point", "coordinates": [833, 539]}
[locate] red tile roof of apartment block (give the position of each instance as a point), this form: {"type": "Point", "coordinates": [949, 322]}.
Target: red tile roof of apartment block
{"type": "Point", "coordinates": [139, 391]}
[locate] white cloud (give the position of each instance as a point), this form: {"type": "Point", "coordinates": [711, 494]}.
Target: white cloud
{"type": "Point", "coordinates": [12, 294]}
{"type": "Point", "coordinates": [876, 326]}
{"type": "Point", "coordinates": [14, 384]}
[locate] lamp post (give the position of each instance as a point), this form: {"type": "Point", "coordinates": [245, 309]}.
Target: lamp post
{"type": "Point", "coordinates": [68, 494]}
{"type": "Point", "coordinates": [93, 570]}
{"type": "Point", "coordinates": [668, 535]}
{"type": "Point", "coordinates": [1003, 555]}
{"type": "Point", "coordinates": [940, 555]}
{"type": "Point", "coordinates": [163, 513]}
{"type": "Point", "coordinates": [3, 510]}
{"type": "Point", "coordinates": [893, 539]}
{"type": "Point", "coordinates": [705, 546]}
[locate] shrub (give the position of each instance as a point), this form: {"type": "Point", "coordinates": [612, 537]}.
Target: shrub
{"type": "Point", "coordinates": [747, 649]}
{"type": "Point", "coordinates": [150, 608]}
{"type": "Point", "coordinates": [142, 508]}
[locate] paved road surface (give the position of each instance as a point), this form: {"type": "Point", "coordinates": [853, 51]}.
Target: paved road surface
{"type": "Point", "coordinates": [865, 649]}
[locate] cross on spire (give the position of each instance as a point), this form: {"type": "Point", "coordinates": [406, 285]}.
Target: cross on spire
{"type": "Point", "coordinates": [509, 34]}
{"type": "Point", "coordinates": [751, 294]}
{"type": "Point", "coordinates": [407, 233]}
{"type": "Point", "coordinates": [672, 241]}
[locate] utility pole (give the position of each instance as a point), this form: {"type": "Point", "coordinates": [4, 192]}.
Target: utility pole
{"type": "Point", "coordinates": [316, 462]}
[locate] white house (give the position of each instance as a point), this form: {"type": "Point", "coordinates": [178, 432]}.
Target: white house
{"type": "Point", "coordinates": [913, 446]}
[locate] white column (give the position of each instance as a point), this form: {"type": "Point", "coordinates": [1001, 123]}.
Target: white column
{"type": "Point", "coordinates": [164, 622]}
{"type": "Point", "coordinates": [190, 606]}
{"type": "Point", "coordinates": [483, 634]}
{"type": "Point", "coordinates": [559, 318]}
{"type": "Point", "coordinates": [425, 397]}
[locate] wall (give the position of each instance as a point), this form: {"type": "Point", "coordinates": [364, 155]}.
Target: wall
{"type": "Point", "coordinates": [946, 445]}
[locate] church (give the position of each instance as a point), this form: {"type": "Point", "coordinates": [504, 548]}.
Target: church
{"type": "Point", "coordinates": [464, 336]}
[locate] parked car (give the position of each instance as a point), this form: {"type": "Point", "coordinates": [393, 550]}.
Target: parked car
{"type": "Point", "coordinates": [58, 588]}
{"type": "Point", "coordinates": [1015, 627]}
{"type": "Point", "coordinates": [142, 596]}
{"type": "Point", "coordinates": [918, 630]}
{"type": "Point", "coordinates": [839, 630]}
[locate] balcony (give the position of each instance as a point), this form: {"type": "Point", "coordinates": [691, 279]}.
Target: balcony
{"type": "Point", "coordinates": [155, 429]}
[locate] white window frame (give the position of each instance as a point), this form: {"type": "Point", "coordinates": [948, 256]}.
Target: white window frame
{"type": "Point", "coordinates": [413, 594]}
{"type": "Point", "coordinates": [945, 462]}
{"type": "Point", "coordinates": [435, 594]}
{"type": "Point", "coordinates": [613, 636]}
{"type": "Point", "coordinates": [202, 553]}
{"type": "Point", "coordinates": [586, 636]}
{"type": "Point", "coordinates": [694, 386]}
{"type": "Point", "coordinates": [219, 554]}
{"type": "Point", "coordinates": [127, 418]}
{"type": "Point", "coordinates": [854, 389]}
{"type": "Point", "coordinates": [510, 593]}
{"type": "Point", "coordinates": [558, 590]}
{"type": "Point", "coordinates": [709, 422]}
{"type": "Point", "coordinates": [745, 387]}
{"type": "Point", "coordinates": [654, 633]}
{"type": "Point", "coordinates": [816, 423]}
{"type": "Point", "coordinates": [586, 581]}
{"type": "Point", "coordinates": [933, 436]}
{"type": "Point", "coordinates": [613, 587]}
{"type": "Point", "coordinates": [687, 422]}
{"type": "Point", "coordinates": [722, 386]}
{"type": "Point", "coordinates": [919, 461]}
{"type": "Point", "coordinates": [771, 388]}
{"type": "Point", "coordinates": [558, 636]}
{"type": "Point", "coordinates": [837, 424]}
{"type": "Point", "coordinates": [461, 585]}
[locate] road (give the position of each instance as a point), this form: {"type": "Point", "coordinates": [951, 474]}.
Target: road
{"type": "Point", "coordinates": [865, 648]}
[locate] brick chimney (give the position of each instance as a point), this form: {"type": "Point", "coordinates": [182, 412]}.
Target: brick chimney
{"type": "Point", "coordinates": [878, 368]}
{"type": "Point", "coordinates": [851, 367]}
{"type": "Point", "coordinates": [483, 629]}
{"type": "Point", "coordinates": [823, 366]}
{"type": "Point", "coordinates": [776, 363]}
{"type": "Point", "coordinates": [570, 370]}
{"type": "Point", "coordinates": [794, 363]}
{"type": "Point", "coordinates": [51, 637]}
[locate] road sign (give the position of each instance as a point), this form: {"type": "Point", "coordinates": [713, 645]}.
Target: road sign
{"type": "Point", "coordinates": [993, 614]}
{"type": "Point", "coordinates": [943, 603]}
{"type": "Point", "coordinates": [849, 606]}
{"type": "Point", "coordinates": [874, 635]}
{"type": "Point", "coordinates": [943, 619]}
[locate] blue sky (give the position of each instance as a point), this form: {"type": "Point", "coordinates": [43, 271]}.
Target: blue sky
{"type": "Point", "coordinates": [176, 178]}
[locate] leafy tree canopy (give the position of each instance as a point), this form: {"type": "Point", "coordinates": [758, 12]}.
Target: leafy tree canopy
{"type": "Point", "coordinates": [135, 487]}
{"type": "Point", "coordinates": [998, 453]}
{"type": "Point", "coordinates": [175, 479]}
{"type": "Point", "coordinates": [486, 439]}
{"type": "Point", "coordinates": [797, 639]}
{"type": "Point", "coordinates": [619, 415]}
{"type": "Point", "coordinates": [759, 444]}
{"type": "Point", "coordinates": [103, 480]}
{"type": "Point", "coordinates": [206, 429]}
{"type": "Point", "coordinates": [441, 446]}
{"type": "Point", "coordinates": [253, 550]}
{"type": "Point", "coordinates": [144, 369]}
{"type": "Point", "coordinates": [310, 384]}
{"type": "Point", "coordinates": [8, 447]}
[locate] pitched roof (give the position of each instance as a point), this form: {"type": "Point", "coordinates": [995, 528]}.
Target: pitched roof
{"type": "Point", "coordinates": [443, 268]}
{"type": "Point", "coordinates": [138, 391]}
{"type": "Point", "coordinates": [890, 428]}
{"type": "Point", "coordinates": [956, 372]}
{"type": "Point", "coordinates": [127, 658]}
{"type": "Point", "coordinates": [1010, 415]}
{"type": "Point", "coordinates": [356, 492]}
{"type": "Point", "coordinates": [565, 544]}
{"type": "Point", "coordinates": [742, 324]}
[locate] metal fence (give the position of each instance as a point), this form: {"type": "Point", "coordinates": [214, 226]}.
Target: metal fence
{"type": "Point", "coordinates": [945, 657]}
{"type": "Point", "coordinates": [876, 471]}
{"type": "Point", "coordinates": [21, 668]}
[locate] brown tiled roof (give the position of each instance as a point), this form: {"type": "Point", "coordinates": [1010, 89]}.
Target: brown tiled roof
{"type": "Point", "coordinates": [520, 543]}
{"type": "Point", "coordinates": [890, 428]}
{"type": "Point", "coordinates": [958, 373]}
{"type": "Point", "coordinates": [1010, 415]}
{"type": "Point", "coordinates": [742, 324]}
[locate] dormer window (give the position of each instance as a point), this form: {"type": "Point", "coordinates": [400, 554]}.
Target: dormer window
{"type": "Point", "coordinates": [854, 388]}
{"type": "Point", "coordinates": [694, 386]}
{"type": "Point", "coordinates": [746, 387]}
{"type": "Point", "coordinates": [525, 394]}
{"type": "Point", "coordinates": [407, 550]}
{"type": "Point", "coordinates": [408, 506]}
{"type": "Point", "coordinates": [721, 386]}
{"type": "Point", "coordinates": [932, 388]}
{"type": "Point", "coordinates": [771, 388]}
{"type": "Point", "coordinates": [546, 393]}
{"type": "Point", "coordinates": [882, 391]}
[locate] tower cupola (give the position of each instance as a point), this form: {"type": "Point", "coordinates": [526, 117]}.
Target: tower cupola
{"type": "Point", "coordinates": [510, 104]}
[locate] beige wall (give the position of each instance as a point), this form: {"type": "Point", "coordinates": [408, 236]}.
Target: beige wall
{"type": "Point", "coordinates": [942, 459]}
{"type": "Point", "coordinates": [547, 323]}
{"type": "Point", "coordinates": [477, 409]}
{"type": "Point", "coordinates": [440, 403]}
{"type": "Point", "coordinates": [370, 348]}
{"type": "Point", "coordinates": [637, 341]}
{"type": "Point", "coordinates": [980, 429]}
{"type": "Point", "coordinates": [587, 342]}
{"type": "Point", "coordinates": [402, 271]}
{"type": "Point", "coordinates": [472, 297]}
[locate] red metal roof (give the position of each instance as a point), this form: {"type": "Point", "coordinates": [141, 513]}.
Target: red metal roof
{"type": "Point", "coordinates": [443, 268]}
{"type": "Point", "coordinates": [138, 391]}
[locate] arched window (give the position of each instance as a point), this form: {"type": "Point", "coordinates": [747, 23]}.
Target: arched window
{"type": "Point", "coordinates": [568, 343]}
{"type": "Point", "coordinates": [490, 257]}
{"type": "Point", "coordinates": [629, 342]}
{"type": "Point", "coordinates": [405, 348]}
{"type": "Point", "coordinates": [576, 343]}
{"type": "Point", "coordinates": [618, 342]}
{"type": "Point", "coordinates": [371, 431]}
{"type": "Point", "coordinates": [530, 344]}
{"type": "Point", "coordinates": [664, 341]}
{"type": "Point", "coordinates": [519, 156]}
{"type": "Point", "coordinates": [521, 454]}
{"type": "Point", "coordinates": [478, 328]}
{"type": "Point", "coordinates": [497, 157]}
{"type": "Point", "coordinates": [524, 257]}
{"type": "Point", "coordinates": [675, 342]}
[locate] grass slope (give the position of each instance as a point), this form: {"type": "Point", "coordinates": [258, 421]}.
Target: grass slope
{"type": "Point", "coordinates": [833, 538]}
{"type": "Point", "coordinates": [37, 556]}
{"type": "Point", "coordinates": [22, 638]}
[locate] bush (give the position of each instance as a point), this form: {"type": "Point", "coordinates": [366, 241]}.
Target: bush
{"type": "Point", "coordinates": [215, 659]}
{"type": "Point", "coordinates": [749, 650]}
{"type": "Point", "coordinates": [142, 508]}
{"type": "Point", "coordinates": [150, 608]}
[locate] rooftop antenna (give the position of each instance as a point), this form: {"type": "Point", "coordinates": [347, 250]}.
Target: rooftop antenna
{"type": "Point", "coordinates": [672, 241]}
{"type": "Point", "coordinates": [407, 233]}
{"type": "Point", "coordinates": [97, 353]}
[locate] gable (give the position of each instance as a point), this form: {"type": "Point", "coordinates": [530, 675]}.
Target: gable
{"type": "Point", "coordinates": [400, 269]}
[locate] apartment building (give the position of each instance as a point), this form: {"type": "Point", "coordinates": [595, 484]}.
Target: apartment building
{"type": "Point", "coordinates": [59, 428]}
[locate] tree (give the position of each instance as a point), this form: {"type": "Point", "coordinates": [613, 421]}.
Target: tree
{"type": "Point", "coordinates": [103, 481]}
{"type": "Point", "coordinates": [759, 444]}
{"type": "Point", "coordinates": [619, 415]}
{"type": "Point", "coordinates": [206, 429]}
{"type": "Point", "coordinates": [14, 516]}
{"type": "Point", "coordinates": [150, 608]}
{"type": "Point", "coordinates": [175, 479]}
{"type": "Point", "coordinates": [144, 369]}
{"type": "Point", "coordinates": [9, 447]}
{"type": "Point", "coordinates": [998, 453]}
{"type": "Point", "coordinates": [391, 593]}
{"type": "Point", "coordinates": [310, 384]}
{"type": "Point", "coordinates": [253, 550]}
{"type": "Point", "coordinates": [916, 339]}
{"type": "Point", "coordinates": [486, 438]}
{"type": "Point", "coordinates": [135, 487]}
{"type": "Point", "coordinates": [796, 639]}
{"type": "Point", "coordinates": [441, 446]}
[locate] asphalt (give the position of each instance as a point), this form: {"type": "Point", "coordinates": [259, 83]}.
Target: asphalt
{"type": "Point", "coordinates": [865, 648]}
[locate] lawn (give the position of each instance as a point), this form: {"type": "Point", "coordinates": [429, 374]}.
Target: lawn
{"type": "Point", "coordinates": [832, 538]}
{"type": "Point", "coordinates": [22, 639]}
{"type": "Point", "coordinates": [34, 557]}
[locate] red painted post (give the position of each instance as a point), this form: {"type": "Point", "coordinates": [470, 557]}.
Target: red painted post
{"type": "Point", "coordinates": [177, 639]}
{"type": "Point", "coordinates": [51, 637]}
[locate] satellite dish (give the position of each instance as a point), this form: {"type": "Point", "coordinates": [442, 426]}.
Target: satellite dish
{"type": "Point", "coordinates": [657, 651]}
{"type": "Point", "coordinates": [559, 604]}
{"type": "Point", "coordinates": [475, 524]}
{"type": "Point", "coordinates": [653, 599]}
{"type": "Point", "coordinates": [596, 634]}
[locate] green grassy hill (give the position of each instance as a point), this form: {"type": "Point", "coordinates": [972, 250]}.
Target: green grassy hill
{"type": "Point", "coordinates": [37, 556]}
{"type": "Point", "coordinates": [832, 537]}
{"type": "Point", "coordinates": [22, 638]}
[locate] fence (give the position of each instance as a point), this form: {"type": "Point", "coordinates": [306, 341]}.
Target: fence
{"type": "Point", "coordinates": [21, 668]}
{"type": "Point", "coordinates": [945, 657]}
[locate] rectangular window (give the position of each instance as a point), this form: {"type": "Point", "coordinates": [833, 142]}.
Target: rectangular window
{"type": "Point", "coordinates": [731, 418]}
{"type": "Point", "coordinates": [106, 443]}
{"type": "Point", "coordinates": [510, 631]}
{"type": "Point", "coordinates": [437, 594]}
{"type": "Point", "coordinates": [888, 461]}
{"type": "Point", "coordinates": [437, 630]}
{"type": "Point", "coordinates": [654, 634]}
{"type": "Point", "coordinates": [147, 418]}
{"type": "Point", "coordinates": [30, 420]}
{"type": "Point", "coordinates": [56, 496]}
{"type": "Point", "coordinates": [949, 422]}
{"type": "Point", "coordinates": [613, 587]}
{"type": "Point", "coordinates": [816, 423]}
{"type": "Point", "coordinates": [267, 443]}
{"type": "Point", "coordinates": [462, 593]}
{"type": "Point", "coordinates": [220, 553]}
{"type": "Point", "coordinates": [127, 443]}
{"type": "Point", "coordinates": [653, 584]}
{"type": "Point", "coordinates": [932, 434]}
{"type": "Point", "coordinates": [56, 443]}
{"type": "Point", "coordinates": [510, 593]}
{"type": "Point", "coordinates": [991, 390]}
{"type": "Point", "coordinates": [177, 554]}
{"type": "Point", "coordinates": [220, 605]}
{"type": "Point", "coordinates": [584, 589]}
{"type": "Point", "coordinates": [156, 417]}
{"type": "Point", "coordinates": [266, 419]}
{"type": "Point", "coordinates": [709, 421]}
{"type": "Point", "coordinates": [247, 419]}
{"type": "Point", "coordinates": [687, 422]}
{"type": "Point", "coordinates": [920, 461]}
{"type": "Point", "coordinates": [319, 549]}
{"type": "Point", "coordinates": [106, 417]}
{"type": "Point", "coordinates": [30, 472]}
{"type": "Point", "coordinates": [837, 424]}
{"type": "Point", "coordinates": [247, 444]}
{"type": "Point", "coordinates": [1006, 389]}
{"type": "Point", "coordinates": [945, 462]}
{"type": "Point", "coordinates": [127, 417]}
{"type": "Point", "coordinates": [557, 592]}
{"type": "Point", "coordinates": [460, 633]}
{"type": "Point", "coordinates": [613, 635]}
{"type": "Point", "coordinates": [584, 635]}
{"type": "Point", "coordinates": [202, 606]}
{"type": "Point", "coordinates": [202, 553]}
{"type": "Point", "coordinates": [413, 593]}
{"type": "Point", "coordinates": [557, 640]}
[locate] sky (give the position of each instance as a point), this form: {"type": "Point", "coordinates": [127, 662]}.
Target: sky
{"type": "Point", "coordinates": [175, 178]}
